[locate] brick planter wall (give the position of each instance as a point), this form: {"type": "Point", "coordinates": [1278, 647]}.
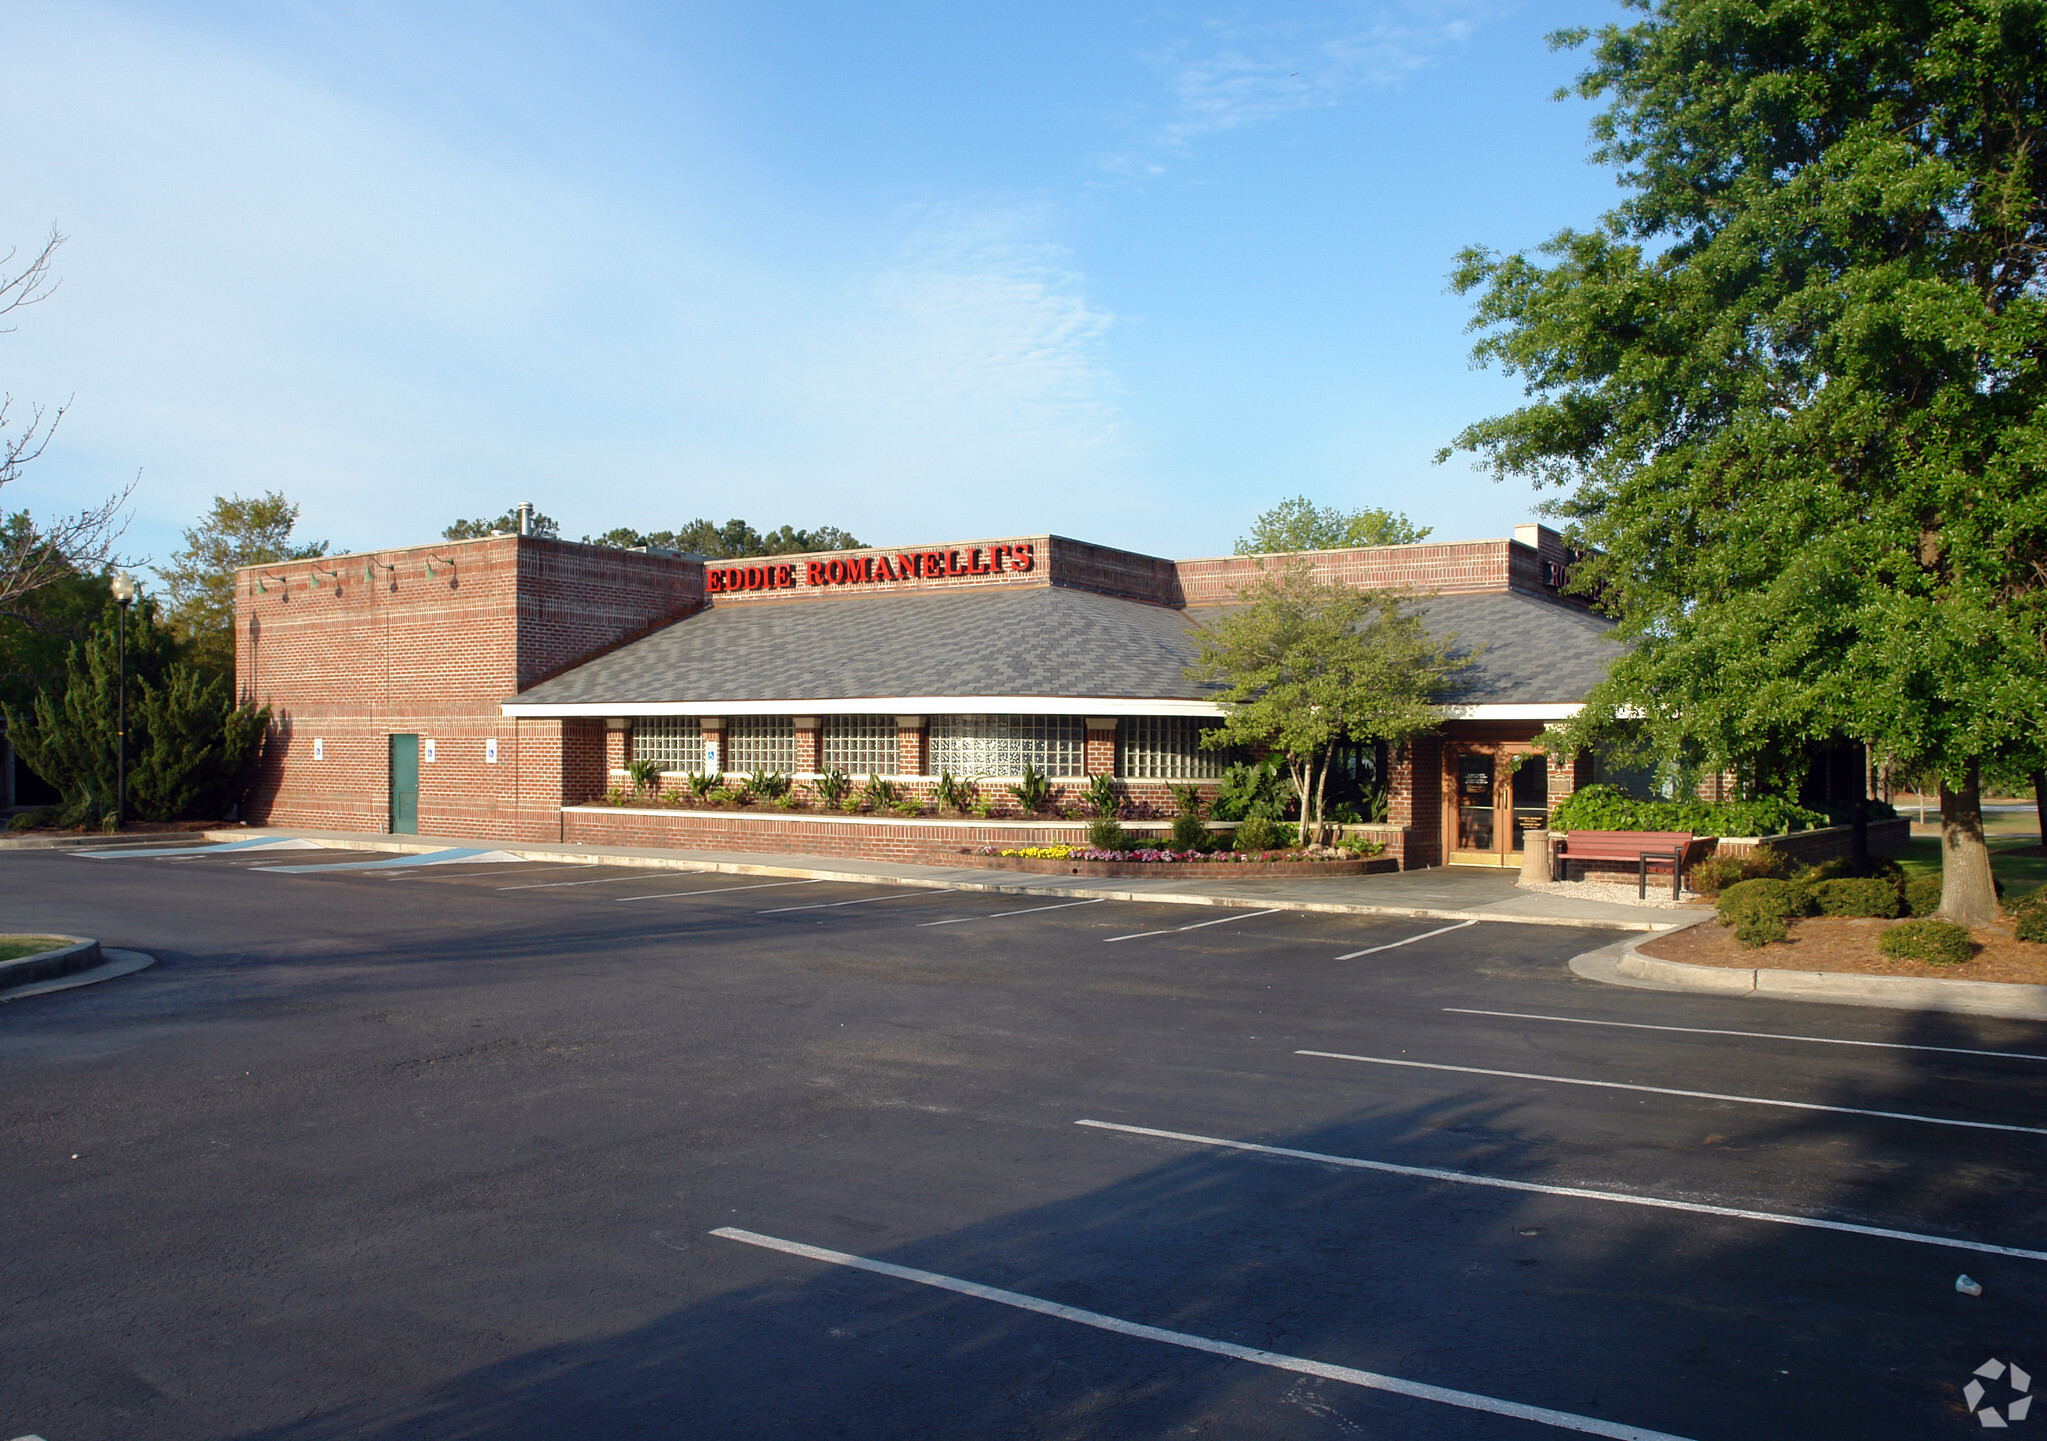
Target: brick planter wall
{"type": "Point", "coordinates": [928, 842]}
{"type": "Point", "coordinates": [1192, 870]}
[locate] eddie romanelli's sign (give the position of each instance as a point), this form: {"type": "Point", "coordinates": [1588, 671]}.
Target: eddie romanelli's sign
{"type": "Point", "coordinates": [874, 569]}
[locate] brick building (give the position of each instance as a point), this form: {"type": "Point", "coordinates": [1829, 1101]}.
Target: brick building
{"type": "Point", "coordinates": [501, 687]}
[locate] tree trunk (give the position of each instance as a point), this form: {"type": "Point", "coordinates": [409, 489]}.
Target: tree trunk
{"type": "Point", "coordinates": [2040, 802]}
{"type": "Point", "coordinates": [1321, 794]}
{"type": "Point", "coordinates": [1967, 896]}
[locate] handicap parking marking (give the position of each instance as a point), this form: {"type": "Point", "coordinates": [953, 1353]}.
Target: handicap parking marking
{"type": "Point", "coordinates": [1442, 1395]}
{"type": "Point", "coordinates": [1390, 945]}
{"type": "Point", "coordinates": [1174, 931]}
{"type": "Point", "coordinates": [221, 849]}
{"type": "Point", "coordinates": [1582, 1193]}
{"type": "Point", "coordinates": [1689, 1095]}
{"type": "Point", "coordinates": [405, 862]}
{"type": "Point", "coordinates": [1000, 915]}
{"type": "Point", "coordinates": [1747, 1035]}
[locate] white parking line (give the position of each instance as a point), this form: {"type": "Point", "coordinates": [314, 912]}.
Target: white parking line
{"type": "Point", "coordinates": [635, 874]}
{"type": "Point", "coordinates": [1750, 1035]}
{"type": "Point", "coordinates": [1442, 1395]}
{"type": "Point", "coordinates": [499, 870]}
{"type": "Point", "coordinates": [716, 891]}
{"type": "Point", "coordinates": [863, 901]}
{"type": "Point", "coordinates": [1374, 950]}
{"type": "Point", "coordinates": [1223, 921]}
{"type": "Point", "coordinates": [1030, 911]}
{"type": "Point", "coordinates": [1692, 1095]}
{"type": "Point", "coordinates": [1502, 1183]}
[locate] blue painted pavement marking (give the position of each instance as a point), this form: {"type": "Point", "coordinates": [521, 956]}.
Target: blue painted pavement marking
{"type": "Point", "coordinates": [425, 858]}
{"type": "Point", "coordinates": [208, 850]}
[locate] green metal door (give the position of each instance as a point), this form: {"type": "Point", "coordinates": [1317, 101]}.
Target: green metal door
{"type": "Point", "coordinates": [404, 785]}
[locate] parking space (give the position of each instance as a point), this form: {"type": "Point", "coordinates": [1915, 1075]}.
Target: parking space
{"type": "Point", "coordinates": [523, 1149]}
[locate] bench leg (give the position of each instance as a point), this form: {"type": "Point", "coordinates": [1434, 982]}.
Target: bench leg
{"type": "Point", "coordinates": [1677, 871]}
{"type": "Point", "coordinates": [1642, 877]}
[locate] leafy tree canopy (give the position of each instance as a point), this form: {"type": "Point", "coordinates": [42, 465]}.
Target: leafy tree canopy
{"type": "Point", "coordinates": [1305, 663]}
{"type": "Point", "coordinates": [733, 540]}
{"type": "Point", "coordinates": [39, 627]}
{"type": "Point", "coordinates": [1299, 524]}
{"type": "Point", "coordinates": [201, 577]}
{"type": "Point", "coordinates": [506, 524]}
{"type": "Point", "coordinates": [1791, 386]}
{"type": "Point", "coordinates": [188, 743]}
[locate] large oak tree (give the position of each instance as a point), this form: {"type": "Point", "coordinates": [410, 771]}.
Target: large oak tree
{"type": "Point", "coordinates": [1791, 386]}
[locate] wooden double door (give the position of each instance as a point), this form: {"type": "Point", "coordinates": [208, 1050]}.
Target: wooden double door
{"type": "Point", "coordinates": [1494, 793]}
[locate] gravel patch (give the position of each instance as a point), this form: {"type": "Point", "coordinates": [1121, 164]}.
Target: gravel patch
{"type": "Point", "coordinates": [1619, 893]}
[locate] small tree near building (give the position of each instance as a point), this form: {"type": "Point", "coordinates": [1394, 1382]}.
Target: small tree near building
{"type": "Point", "coordinates": [201, 577]}
{"type": "Point", "coordinates": [1305, 664]}
{"type": "Point", "coordinates": [1299, 524]}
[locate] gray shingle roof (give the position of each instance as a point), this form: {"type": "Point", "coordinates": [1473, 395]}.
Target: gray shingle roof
{"type": "Point", "coordinates": [1036, 640]}
{"type": "Point", "coordinates": [1040, 640]}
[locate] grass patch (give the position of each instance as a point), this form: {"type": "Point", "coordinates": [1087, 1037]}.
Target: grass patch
{"type": "Point", "coordinates": [2019, 873]}
{"type": "Point", "coordinates": [13, 948]}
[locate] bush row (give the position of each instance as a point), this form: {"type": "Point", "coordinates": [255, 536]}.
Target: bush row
{"type": "Point", "coordinates": [1608, 808]}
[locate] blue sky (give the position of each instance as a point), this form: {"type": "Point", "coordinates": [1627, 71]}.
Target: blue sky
{"type": "Point", "coordinates": [1125, 272]}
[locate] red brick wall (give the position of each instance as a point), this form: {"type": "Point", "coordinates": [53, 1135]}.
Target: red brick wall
{"type": "Point", "coordinates": [1450, 567]}
{"type": "Point", "coordinates": [1100, 752]}
{"type": "Point", "coordinates": [352, 661]}
{"type": "Point", "coordinates": [1415, 800]}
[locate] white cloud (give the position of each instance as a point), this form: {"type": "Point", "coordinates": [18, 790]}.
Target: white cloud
{"type": "Point", "coordinates": [273, 282]}
{"type": "Point", "coordinates": [1233, 74]}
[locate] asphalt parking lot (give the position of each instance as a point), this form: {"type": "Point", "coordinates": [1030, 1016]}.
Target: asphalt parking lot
{"type": "Point", "coordinates": [544, 1151]}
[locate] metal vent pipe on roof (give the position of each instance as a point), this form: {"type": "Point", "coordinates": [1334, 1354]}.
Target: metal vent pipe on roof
{"type": "Point", "coordinates": [524, 510]}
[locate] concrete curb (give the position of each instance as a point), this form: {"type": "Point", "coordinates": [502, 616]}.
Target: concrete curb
{"type": "Point", "coordinates": [118, 838]}
{"type": "Point", "coordinates": [82, 954]}
{"type": "Point", "coordinates": [1623, 964]}
{"type": "Point", "coordinates": [116, 963]}
{"type": "Point", "coordinates": [1010, 888]}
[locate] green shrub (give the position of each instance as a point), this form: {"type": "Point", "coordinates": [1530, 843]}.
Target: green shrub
{"type": "Point", "coordinates": [1755, 930]}
{"type": "Point", "coordinates": [1608, 808]}
{"type": "Point", "coordinates": [1938, 943]}
{"type": "Point", "coordinates": [1839, 868]}
{"type": "Point", "coordinates": [1250, 788]}
{"type": "Point", "coordinates": [702, 783]}
{"type": "Point", "coordinates": [1886, 869]}
{"type": "Point", "coordinates": [1714, 874]}
{"type": "Point", "coordinates": [1254, 834]}
{"type": "Point", "coordinates": [1033, 792]}
{"type": "Point", "coordinates": [2030, 924]}
{"type": "Point", "coordinates": [878, 795]}
{"type": "Point", "coordinates": [31, 820]}
{"type": "Point", "coordinates": [646, 774]}
{"type": "Point", "coordinates": [1189, 833]}
{"type": "Point", "coordinates": [1763, 897]}
{"type": "Point", "coordinates": [1186, 800]}
{"type": "Point", "coordinates": [1106, 833]}
{"type": "Point", "coordinates": [831, 787]}
{"type": "Point", "coordinates": [1360, 847]}
{"type": "Point", "coordinates": [1854, 896]}
{"type": "Point", "coordinates": [1103, 797]}
{"type": "Point", "coordinates": [957, 793]}
{"type": "Point", "coordinates": [1922, 894]}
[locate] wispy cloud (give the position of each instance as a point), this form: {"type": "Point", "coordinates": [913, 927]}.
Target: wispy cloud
{"type": "Point", "coordinates": [1233, 74]}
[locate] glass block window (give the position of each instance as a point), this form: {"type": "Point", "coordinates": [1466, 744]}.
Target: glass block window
{"type": "Point", "coordinates": [859, 745]}
{"type": "Point", "coordinates": [1001, 745]}
{"type": "Point", "coordinates": [1166, 748]}
{"type": "Point", "coordinates": [676, 742]}
{"type": "Point", "coordinates": [760, 743]}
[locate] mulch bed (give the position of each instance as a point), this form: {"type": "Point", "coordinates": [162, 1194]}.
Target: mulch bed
{"type": "Point", "coordinates": [1838, 943]}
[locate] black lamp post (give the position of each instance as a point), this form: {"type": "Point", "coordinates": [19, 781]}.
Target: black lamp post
{"type": "Point", "coordinates": [123, 586]}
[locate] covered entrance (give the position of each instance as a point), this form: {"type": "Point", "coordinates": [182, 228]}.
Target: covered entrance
{"type": "Point", "coordinates": [1493, 794]}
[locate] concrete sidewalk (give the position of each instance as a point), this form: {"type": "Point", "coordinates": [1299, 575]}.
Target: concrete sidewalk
{"type": "Point", "coordinates": [1456, 893]}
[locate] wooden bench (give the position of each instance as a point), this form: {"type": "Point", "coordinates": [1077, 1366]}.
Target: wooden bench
{"type": "Point", "coordinates": [1644, 848]}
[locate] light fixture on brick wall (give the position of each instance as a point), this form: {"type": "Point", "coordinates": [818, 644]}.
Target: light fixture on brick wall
{"type": "Point", "coordinates": [331, 571]}
{"type": "Point", "coordinates": [370, 568]}
{"type": "Point", "coordinates": [447, 560]}
{"type": "Point", "coordinates": [257, 582]}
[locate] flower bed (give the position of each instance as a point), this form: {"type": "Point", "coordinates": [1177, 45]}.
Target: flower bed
{"type": "Point", "coordinates": [1086, 861]}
